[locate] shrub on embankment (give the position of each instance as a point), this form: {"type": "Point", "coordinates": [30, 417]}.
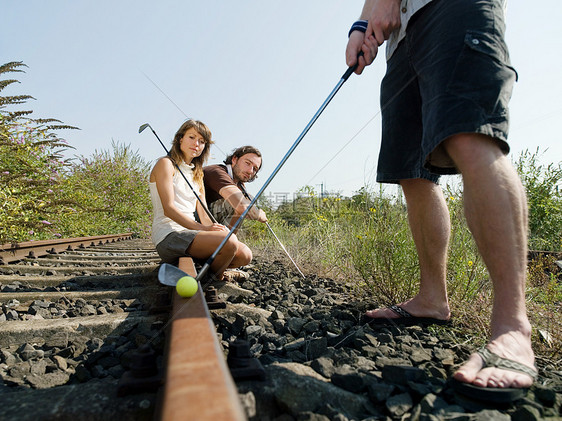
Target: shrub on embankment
{"type": "Point", "coordinates": [44, 195]}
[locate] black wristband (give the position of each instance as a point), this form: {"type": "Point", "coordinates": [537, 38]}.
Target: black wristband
{"type": "Point", "coordinates": [359, 25]}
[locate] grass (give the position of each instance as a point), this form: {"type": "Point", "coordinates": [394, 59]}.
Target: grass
{"type": "Point", "coordinates": [365, 239]}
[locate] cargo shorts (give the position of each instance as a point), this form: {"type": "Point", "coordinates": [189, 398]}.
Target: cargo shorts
{"type": "Point", "coordinates": [451, 74]}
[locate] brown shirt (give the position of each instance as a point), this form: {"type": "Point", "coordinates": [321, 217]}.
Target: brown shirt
{"type": "Point", "coordinates": [216, 177]}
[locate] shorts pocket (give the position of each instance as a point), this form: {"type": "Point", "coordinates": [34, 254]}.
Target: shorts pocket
{"type": "Point", "coordinates": [483, 73]}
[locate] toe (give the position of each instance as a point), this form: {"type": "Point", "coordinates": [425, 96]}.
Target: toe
{"type": "Point", "coordinates": [486, 377]}
{"type": "Point", "coordinates": [380, 313]}
{"type": "Point", "coordinates": [473, 372]}
{"type": "Point", "coordinates": [498, 377]}
{"type": "Point", "coordinates": [469, 370]}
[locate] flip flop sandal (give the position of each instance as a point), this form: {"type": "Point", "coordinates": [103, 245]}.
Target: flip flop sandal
{"type": "Point", "coordinates": [500, 395]}
{"type": "Point", "coordinates": [404, 319]}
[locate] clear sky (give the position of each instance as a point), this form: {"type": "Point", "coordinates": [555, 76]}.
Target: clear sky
{"type": "Point", "coordinates": [254, 71]}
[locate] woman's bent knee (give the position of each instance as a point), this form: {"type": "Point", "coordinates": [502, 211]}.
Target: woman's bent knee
{"type": "Point", "coordinates": [245, 254]}
{"type": "Point", "coordinates": [230, 248]}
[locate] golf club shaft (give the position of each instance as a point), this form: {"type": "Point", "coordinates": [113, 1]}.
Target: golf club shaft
{"type": "Point", "coordinates": [284, 249]}
{"type": "Point", "coordinates": [245, 193]}
{"type": "Point", "coordinates": [207, 211]}
{"type": "Point", "coordinates": [209, 261]}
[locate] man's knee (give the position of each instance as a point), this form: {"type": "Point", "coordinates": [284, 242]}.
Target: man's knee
{"type": "Point", "coordinates": [416, 189]}
{"type": "Point", "coordinates": [468, 150]}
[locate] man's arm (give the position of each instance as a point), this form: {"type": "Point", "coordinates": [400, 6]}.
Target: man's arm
{"type": "Point", "coordinates": [383, 17]}
{"type": "Point", "coordinates": [239, 202]}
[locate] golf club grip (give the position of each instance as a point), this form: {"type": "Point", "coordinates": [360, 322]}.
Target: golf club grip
{"type": "Point", "coordinates": [245, 193]}
{"type": "Point", "coordinates": [351, 69]}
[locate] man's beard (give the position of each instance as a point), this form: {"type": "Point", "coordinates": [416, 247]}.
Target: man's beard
{"type": "Point", "coordinates": [238, 176]}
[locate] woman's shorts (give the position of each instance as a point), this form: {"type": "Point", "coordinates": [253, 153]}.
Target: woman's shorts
{"type": "Point", "coordinates": [451, 74]}
{"type": "Point", "coordinates": [175, 245]}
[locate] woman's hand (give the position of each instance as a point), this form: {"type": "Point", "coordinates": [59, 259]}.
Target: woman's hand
{"type": "Point", "coordinates": [215, 227]}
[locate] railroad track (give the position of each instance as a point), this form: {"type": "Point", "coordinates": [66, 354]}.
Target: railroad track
{"type": "Point", "coordinates": [74, 322]}
{"type": "Point", "coordinates": [87, 332]}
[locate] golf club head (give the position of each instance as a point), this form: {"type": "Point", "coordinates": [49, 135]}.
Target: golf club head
{"type": "Point", "coordinates": [144, 126]}
{"type": "Point", "coordinates": [169, 274]}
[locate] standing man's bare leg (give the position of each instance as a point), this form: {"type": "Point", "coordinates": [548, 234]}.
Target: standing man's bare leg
{"type": "Point", "coordinates": [429, 221]}
{"type": "Point", "coordinates": [496, 212]}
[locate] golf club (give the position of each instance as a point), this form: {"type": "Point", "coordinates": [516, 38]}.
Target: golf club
{"type": "Point", "coordinates": [284, 249]}
{"type": "Point", "coordinates": [245, 193]}
{"type": "Point", "coordinates": [207, 211]}
{"type": "Point", "coordinates": [169, 274]}
{"type": "Point", "coordinates": [209, 261]}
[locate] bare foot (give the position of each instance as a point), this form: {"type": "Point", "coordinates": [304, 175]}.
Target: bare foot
{"type": "Point", "coordinates": [513, 346]}
{"type": "Point", "coordinates": [417, 307]}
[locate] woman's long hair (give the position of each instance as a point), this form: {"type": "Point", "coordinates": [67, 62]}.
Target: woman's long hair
{"type": "Point", "coordinates": [177, 155]}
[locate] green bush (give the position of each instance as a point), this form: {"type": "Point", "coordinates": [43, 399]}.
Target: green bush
{"type": "Point", "coordinates": [31, 168]}
{"type": "Point", "coordinates": [43, 195]}
{"type": "Point", "coordinates": [543, 187]}
{"type": "Point", "coordinates": [110, 193]}
{"type": "Point", "coordinates": [382, 251]}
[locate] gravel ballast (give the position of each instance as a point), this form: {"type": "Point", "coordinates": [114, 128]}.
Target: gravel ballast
{"type": "Point", "coordinates": [321, 362]}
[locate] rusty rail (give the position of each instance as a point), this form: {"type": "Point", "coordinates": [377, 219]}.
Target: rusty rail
{"type": "Point", "coordinates": [18, 251]}
{"type": "Point", "coordinates": [198, 383]}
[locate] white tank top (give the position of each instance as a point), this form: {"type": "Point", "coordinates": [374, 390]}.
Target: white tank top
{"type": "Point", "coordinates": [184, 200]}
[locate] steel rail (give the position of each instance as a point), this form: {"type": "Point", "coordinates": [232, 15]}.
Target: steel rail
{"type": "Point", "coordinates": [18, 251]}
{"type": "Point", "coordinates": [198, 384]}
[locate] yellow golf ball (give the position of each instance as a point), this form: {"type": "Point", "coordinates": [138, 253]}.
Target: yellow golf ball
{"type": "Point", "coordinates": [186, 286]}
